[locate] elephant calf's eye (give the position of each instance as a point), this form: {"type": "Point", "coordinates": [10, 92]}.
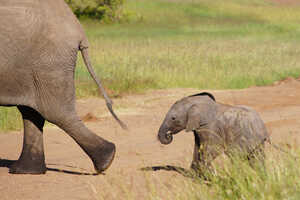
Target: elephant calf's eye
{"type": "Point", "coordinates": [173, 118]}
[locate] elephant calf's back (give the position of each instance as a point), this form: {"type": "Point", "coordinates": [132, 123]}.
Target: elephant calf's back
{"type": "Point", "coordinates": [243, 127]}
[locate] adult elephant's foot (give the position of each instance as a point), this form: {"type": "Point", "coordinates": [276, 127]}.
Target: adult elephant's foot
{"type": "Point", "coordinates": [22, 166]}
{"type": "Point", "coordinates": [103, 157]}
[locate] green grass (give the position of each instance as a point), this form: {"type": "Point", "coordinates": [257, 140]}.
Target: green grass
{"type": "Point", "coordinates": [193, 43]}
{"type": "Point", "coordinates": [10, 119]}
{"type": "Point", "coordinates": [199, 44]}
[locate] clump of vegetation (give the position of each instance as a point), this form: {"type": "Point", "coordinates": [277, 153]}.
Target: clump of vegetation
{"type": "Point", "coordinates": [106, 10]}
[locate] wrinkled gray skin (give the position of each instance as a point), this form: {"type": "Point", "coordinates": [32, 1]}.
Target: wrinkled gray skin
{"type": "Point", "coordinates": [217, 128]}
{"type": "Point", "coordinates": [39, 43]}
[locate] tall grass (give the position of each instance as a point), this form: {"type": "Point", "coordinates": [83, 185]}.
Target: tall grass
{"type": "Point", "coordinates": [199, 64]}
{"type": "Point", "coordinates": [231, 181]}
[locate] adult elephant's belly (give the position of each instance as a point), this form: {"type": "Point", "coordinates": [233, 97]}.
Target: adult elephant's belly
{"type": "Point", "coordinates": [15, 86]}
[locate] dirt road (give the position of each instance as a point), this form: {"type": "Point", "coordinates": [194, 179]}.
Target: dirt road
{"type": "Point", "coordinates": [69, 174]}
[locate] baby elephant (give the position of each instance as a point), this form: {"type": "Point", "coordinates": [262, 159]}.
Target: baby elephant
{"type": "Point", "coordinates": [217, 128]}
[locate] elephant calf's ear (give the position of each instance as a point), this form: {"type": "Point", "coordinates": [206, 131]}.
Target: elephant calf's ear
{"type": "Point", "coordinates": [200, 115]}
{"type": "Point", "coordinates": [193, 118]}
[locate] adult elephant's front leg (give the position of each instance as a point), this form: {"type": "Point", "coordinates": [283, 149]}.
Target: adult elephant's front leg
{"type": "Point", "coordinates": [32, 159]}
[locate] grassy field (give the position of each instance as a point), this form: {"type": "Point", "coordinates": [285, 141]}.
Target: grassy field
{"type": "Point", "coordinates": [191, 43]}
{"type": "Point", "coordinates": [196, 44]}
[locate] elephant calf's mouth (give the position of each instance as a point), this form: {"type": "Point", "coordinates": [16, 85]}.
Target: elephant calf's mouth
{"type": "Point", "coordinates": [169, 135]}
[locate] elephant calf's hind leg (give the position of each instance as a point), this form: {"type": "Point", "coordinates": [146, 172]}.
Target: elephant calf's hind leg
{"type": "Point", "coordinates": [32, 159]}
{"type": "Point", "coordinates": [257, 157]}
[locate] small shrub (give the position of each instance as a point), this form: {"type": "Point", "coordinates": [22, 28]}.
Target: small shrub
{"type": "Point", "coordinates": [106, 10]}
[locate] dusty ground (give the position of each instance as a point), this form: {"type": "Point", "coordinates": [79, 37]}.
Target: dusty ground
{"type": "Point", "coordinates": [279, 106]}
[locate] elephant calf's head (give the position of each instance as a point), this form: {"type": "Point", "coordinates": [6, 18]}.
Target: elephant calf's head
{"type": "Point", "coordinates": [188, 113]}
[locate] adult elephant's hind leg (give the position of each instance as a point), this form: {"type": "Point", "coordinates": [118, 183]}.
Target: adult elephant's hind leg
{"type": "Point", "coordinates": [32, 159]}
{"type": "Point", "coordinates": [98, 149]}
{"type": "Point", "coordinates": [55, 100]}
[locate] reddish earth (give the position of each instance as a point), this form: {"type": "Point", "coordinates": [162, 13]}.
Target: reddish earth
{"type": "Point", "coordinates": [70, 171]}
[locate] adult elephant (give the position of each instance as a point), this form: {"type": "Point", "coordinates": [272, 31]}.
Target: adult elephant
{"type": "Point", "coordinates": [39, 43]}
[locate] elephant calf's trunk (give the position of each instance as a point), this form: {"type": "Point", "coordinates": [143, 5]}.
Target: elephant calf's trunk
{"type": "Point", "coordinates": [164, 136]}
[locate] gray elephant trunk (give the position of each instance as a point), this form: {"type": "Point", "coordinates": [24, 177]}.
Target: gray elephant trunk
{"type": "Point", "coordinates": [164, 136]}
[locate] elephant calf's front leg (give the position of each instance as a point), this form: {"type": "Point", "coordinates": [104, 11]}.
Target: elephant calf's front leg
{"type": "Point", "coordinates": [204, 154]}
{"type": "Point", "coordinates": [196, 155]}
{"type": "Point", "coordinates": [32, 159]}
{"type": "Point", "coordinates": [201, 163]}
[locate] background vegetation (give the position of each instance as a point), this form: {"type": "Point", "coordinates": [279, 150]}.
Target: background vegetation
{"type": "Point", "coordinates": [193, 43]}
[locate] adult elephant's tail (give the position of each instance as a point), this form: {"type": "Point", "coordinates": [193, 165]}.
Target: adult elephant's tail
{"type": "Point", "coordinates": [87, 61]}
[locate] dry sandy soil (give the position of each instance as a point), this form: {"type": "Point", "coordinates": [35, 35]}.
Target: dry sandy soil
{"type": "Point", "coordinates": [70, 172]}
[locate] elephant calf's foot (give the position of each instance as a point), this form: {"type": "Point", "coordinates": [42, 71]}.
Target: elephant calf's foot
{"type": "Point", "coordinates": [31, 167]}
{"type": "Point", "coordinates": [103, 158]}
{"type": "Point", "coordinates": [201, 171]}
